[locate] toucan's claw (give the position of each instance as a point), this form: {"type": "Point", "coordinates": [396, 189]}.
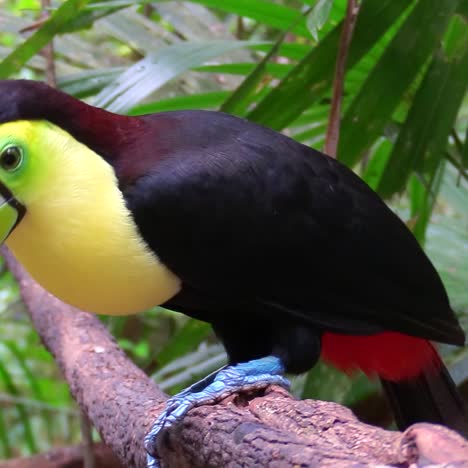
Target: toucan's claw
{"type": "Point", "coordinates": [251, 375]}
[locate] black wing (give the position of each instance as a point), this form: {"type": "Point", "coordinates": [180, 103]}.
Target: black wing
{"type": "Point", "coordinates": [244, 214]}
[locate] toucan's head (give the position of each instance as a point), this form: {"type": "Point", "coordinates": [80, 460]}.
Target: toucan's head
{"type": "Point", "coordinates": [58, 159]}
{"type": "Point", "coordinates": [32, 116]}
{"type": "Point", "coordinates": [23, 165]}
{"type": "Point", "coordinates": [65, 218]}
{"type": "Point", "coordinates": [40, 168]}
{"type": "Point", "coordinates": [11, 209]}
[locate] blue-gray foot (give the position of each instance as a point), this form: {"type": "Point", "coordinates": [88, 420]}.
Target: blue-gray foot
{"type": "Point", "coordinates": [250, 375]}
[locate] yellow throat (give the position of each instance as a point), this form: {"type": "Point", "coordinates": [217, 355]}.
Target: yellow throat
{"type": "Point", "coordinates": [78, 239]}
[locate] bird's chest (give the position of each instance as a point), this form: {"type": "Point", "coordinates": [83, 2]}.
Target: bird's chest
{"type": "Point", "coordinates": [93, 259]}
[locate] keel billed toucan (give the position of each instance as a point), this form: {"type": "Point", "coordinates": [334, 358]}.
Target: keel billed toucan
{"type": "Point", "coordinates": [285, 251]}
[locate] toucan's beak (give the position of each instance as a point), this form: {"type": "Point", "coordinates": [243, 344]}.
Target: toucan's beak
{"type": "Point", "coordinates": [11, 213]}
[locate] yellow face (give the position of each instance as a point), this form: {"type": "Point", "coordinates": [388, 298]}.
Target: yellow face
{"type": "Point", "coordinates": [77, 237]}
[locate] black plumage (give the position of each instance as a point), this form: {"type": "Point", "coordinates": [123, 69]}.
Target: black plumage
{"type": "Point", "coordinates": [264, 229]}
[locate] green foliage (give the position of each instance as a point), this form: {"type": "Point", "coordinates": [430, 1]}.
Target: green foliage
{"type": "Point", "coordinates": [404, 130]}
{"type": "Point", "coordinates": [156, 69]}
{"type": "Point", "coordinates": [318, 16]}
{"type": "Point", "coordinates": [21, 54]}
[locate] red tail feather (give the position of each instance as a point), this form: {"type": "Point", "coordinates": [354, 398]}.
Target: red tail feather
{"type": "Point", "coordinates": [390, 355]}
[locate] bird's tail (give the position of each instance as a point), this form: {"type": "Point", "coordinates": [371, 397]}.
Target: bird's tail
{"type": "Point", "coordinates": [430, 397]}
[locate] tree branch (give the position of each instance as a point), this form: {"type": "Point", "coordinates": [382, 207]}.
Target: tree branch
{"type": "Point", "coordinates": [245, 430]}
{"type": "Point", "coordinates": [65, 457]}
{"type": "Point", "coordinates": [333, 127]}
{"type": "Point", "coordinates": [118, 397]}
{"type": "Point", "coordinates": [48, 51]}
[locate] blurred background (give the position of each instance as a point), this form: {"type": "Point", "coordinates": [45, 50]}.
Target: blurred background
{"type": "Point", "coordinates": [404, 130]}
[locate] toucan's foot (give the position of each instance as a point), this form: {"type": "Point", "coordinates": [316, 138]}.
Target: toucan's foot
{"type": "Point", "coordinates": [245, 376]}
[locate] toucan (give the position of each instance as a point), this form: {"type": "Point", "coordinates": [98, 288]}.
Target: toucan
{"type": "Point", "coordinates": [285, 251]}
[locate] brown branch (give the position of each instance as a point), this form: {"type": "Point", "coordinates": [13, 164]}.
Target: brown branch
{"type": "Point", "coordinates": [270, 430]}
{"type": "Point", "coordinates": [333, 128]}
{"type": "Point", "coordinates": [148, 10]}
{"type": "Point", "coordinates": [33, 26]}
{"type": "Point", "coordinates": [116, 395]}
{"type": "Point", "coordinates": [48, 51]}
{"type": "Point", "coordinates": [65, 457]}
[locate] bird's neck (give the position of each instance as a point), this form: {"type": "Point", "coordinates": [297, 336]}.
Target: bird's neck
{"type": "Point", "coordinates": [107, 134]}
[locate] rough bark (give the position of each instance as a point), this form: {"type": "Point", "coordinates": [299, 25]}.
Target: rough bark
{"type": "Point", "coordinates": [272, 429]}
{"type": "Point", "coordinates": [65, 457]}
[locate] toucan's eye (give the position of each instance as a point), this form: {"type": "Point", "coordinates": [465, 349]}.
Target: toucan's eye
{"type": "Point", "coordinates": [11, 158]}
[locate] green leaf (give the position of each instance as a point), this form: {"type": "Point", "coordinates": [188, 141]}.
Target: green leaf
{"type": "Point", "coordinates": [4, 437]}
{"type": "Point", "coordinates": [423, 195]}
{"type": "Point", "coordinates": [382, 91]}
{"type": "Point", "coordinates": [463, 10]}
{"type": "Point", "coordinates": [291, 50]}
{"type": "Point", "coordinates": [276, 70]}
{"type": "Point", "coordinates": [89, 14]}
{"type": "Point", "coordinates": [31, 379]}
{"type": "Point", "coordinates": [239, 100]}
{"type": "Point", "coordinates": [311, 77]}
{"type": "Point", "coordinates": [376, 166]}
{"type": "Point", "coordinates": [89, 82]}
{"type": "Point", "coordinates": [318, 17]}
{"type": "Point", "coordinates": [447, 238]}
{"type": "Point", "coordinates": [423, 138]}
{"type": "Point", "coordinates": [464, 155]}
{"type": "Point", "coordinates": [456, 37]}
{"type": "Point", "coordinates": [105, 4]}
{"type": "Point", "coordinates": [324, 382]}
{"type": "Point", "coordinates": [185, 340]}
{"type": "Point", "coordinates": [241, 97]}
{"type": "Point", "coordinates": [313, 134]}
{"type": "Point", "coordinates": [150, 73]}
{"type": "Point", "coordinates": [194, 101]}
{"type": "Point", "coordinates": [137, 32]}
{"type": "Point", "coordinates": [189, 368]}
{"type": "Point", "coordinates": [60, 17]}
{"type": "Point", "coordinates": [22, 412]}
{"type": "Point", "coordinates": [266, 13]}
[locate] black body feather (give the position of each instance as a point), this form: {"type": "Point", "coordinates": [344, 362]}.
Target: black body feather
{"type": "Point", "coordinates": [255, 222]}
{"type": "Point", "coordinates": [431, 397]}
